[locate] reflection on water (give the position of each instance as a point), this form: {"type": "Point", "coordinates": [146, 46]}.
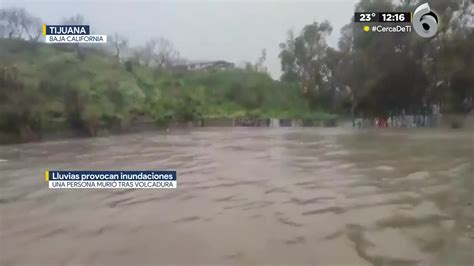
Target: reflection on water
{"type": "Point", "coordinates": [246, 196]}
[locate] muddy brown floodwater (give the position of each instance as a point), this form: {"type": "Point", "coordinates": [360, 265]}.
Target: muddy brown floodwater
{"type": "Point", "coordinates": [246, 196]}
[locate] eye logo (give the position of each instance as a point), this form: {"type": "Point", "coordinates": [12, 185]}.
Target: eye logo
{"type": "Point", "coordinates": [425, 21]}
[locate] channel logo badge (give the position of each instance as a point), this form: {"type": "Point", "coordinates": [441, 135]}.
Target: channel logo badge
{"type": "Point", "coordinates": [71, 34]}
{"type": "Point", "coordinates": [425, 21]}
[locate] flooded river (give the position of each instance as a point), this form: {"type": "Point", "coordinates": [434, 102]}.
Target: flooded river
{"type": "Point", "coordinates": [246, 196]}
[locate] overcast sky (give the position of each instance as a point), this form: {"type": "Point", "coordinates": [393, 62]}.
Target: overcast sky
{"type": "Point", "coordinates": [231, 30]}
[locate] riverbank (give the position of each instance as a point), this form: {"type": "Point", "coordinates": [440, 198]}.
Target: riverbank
{"type": "Point", "coordinates": [150, 125]}
{"type": "Point", "coordinates": [447, 121]}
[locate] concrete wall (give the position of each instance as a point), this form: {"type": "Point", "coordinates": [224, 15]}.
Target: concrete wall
{"type": "Point", "coordinates": [218, 122]}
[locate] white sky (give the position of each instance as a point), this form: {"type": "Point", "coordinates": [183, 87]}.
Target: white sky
{"type": "Point", "coordinates": [232, 30]}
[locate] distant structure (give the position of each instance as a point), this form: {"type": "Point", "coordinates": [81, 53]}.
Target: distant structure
{"type": "Point", "coordinates": [205, 66]}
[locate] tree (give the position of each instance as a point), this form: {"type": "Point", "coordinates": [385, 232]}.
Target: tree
{"type": "Point", "coordinates": [402, 71]}
{"type": "Point", "coordinates": [248, 66]}
{"type": "Point", "coordinates": [78, 19]}
{"type": "Point", "coordinates": [31, 26]}
{"type": "Point", "coordinates": [346, 41]}
{"type": "Point", "coordinates": [449, 57]}
{"type": "Point", "coordinates": [382, 73]}
{"type": "Point", "coordinates": [17, 23]}
{"type": "Point", "coordinates": [11, 20]}
{"type": "Point", "coordinates": [302, 58]}
{"type": "Point", "coordinates": [119, 43]}
{"type": "Point", "coordinates": [386, 73]}
{"type": "Point", "coordinates": [163, 53]}
{"type": "Point", "coordinates": [158, 52]}
{"type": "Point", "coordinates": [260, 64]}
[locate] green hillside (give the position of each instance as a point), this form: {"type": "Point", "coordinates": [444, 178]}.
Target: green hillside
{"type": "Point", "coordinates": [51, 88]}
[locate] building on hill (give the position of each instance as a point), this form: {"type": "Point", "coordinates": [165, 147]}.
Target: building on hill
{"type": "Point", "coordinates": [205, 66]}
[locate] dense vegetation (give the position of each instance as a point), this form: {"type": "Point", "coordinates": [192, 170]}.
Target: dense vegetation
{"type": "Point", "coordinates": [45, 88]}
{"type": "Point", "coordinates": [52, 88]}
{"type": "Point", "coordinates": [380, 73]}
